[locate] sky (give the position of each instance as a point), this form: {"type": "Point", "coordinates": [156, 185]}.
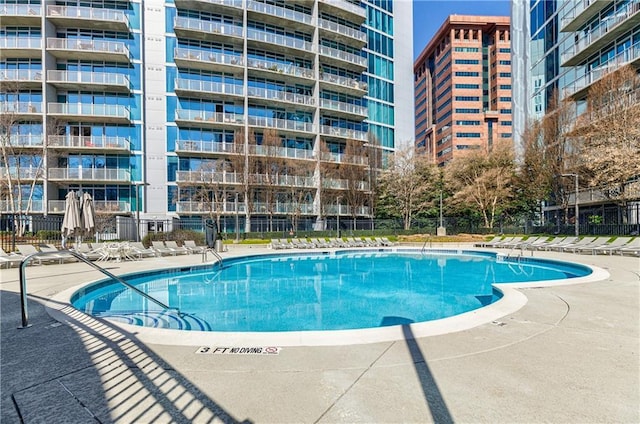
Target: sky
{"type": "Point", "coordinates": [428, 16]}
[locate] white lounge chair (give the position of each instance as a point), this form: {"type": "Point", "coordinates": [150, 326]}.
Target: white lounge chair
{"type": "Point", "coordinates": [161, 249]}
{"type": "Point", "coordinates": [178, 249]}
{"type": "Point", "coordinates": [193, 247]}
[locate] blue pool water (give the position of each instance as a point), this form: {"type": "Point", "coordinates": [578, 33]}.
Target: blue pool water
{"type": "Point", "coordinates": [345, 290]}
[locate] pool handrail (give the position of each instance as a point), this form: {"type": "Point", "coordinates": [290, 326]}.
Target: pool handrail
{"type": "Point", "coordinates": [23, 283]}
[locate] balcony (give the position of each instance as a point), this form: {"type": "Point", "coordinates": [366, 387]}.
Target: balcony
{"type": "Point", "coordinates": [207, 177]}
{"type": "Point", "coordinates": [92, 143]}
{"type": "Point", "coordinates": [288, 72]}
{"type": "Point", "coordinates": [26, 141]}
{"type": "Point", "coordinates": [280, 152]}
{"type": "Point", "coordinates": [343, 9]}
{"type": "Point", "coordinates": [203, 119]}
{"type": "Point", "coordinates": [581, 13]}
{"type": "Point", "coordinates": [233, 7]}
{"type": "Point", "coordinates": [268, 13]}
{"type": "Point", "coordinates": [87, 49]}
{"type": "Point", "coordinates": [207, 148]}
{"type": "Point", "coordinates": [93, 175]}
{"type": "Point", "coordinates": [343, 59]}
{"type": "Point", "coordinates": [100, 206]}
{"type": "Point", "coordinates": [207, 30]}
{"type": "Point", "coordinates": [282, 180]}
{"type": "Point", "coordinates": [89, 81]}
{"type": "Point", "coordinates": [22, 174]}
{"type": "Point", "coordinates": [607, 30]}
{"type": "Point", "coordinates": [580, 87]}
{"type": "Point", "coordinates": [88, 17]}
{"type": "Point", "coordinates": [87, 112]}
{"type": "Point", "coordinates": [267, 96]}
{"type": "Point", "coordinates": [20, 47]}
{"type": "Point", "coordinates": [207, 89]}
{"type": "Point", "coordinates": [189, 207]}
{"type": "Point", "coordinates": [281, 43]}
{"type": "Point", "coordinates": [342, 184]}
{"type": "Point", "coordinates": [26, 205]}
{"type": "Point", "coordinates": [21, 78]}
{"type": "Point", "coordinates": [281, 208]}
{"type": "Point", "coordinates": [342, 84]}
{"type": "Point", "coordinates": [22, 110]}
{"type": "Point", "coordinates": [340, 158]}
{"type": "Point", "coordinates": [21, 14]}
{"type": "Point", "coordinates": [342, 109]}
{"type": "Point", "coordinates": [342, 33]}
{"type": "Point", "coordinates": [288, 125]}
{"type": "Point", "coordinates": [329, 131]}
{"type": "Point", "coordinates": [209, 61]}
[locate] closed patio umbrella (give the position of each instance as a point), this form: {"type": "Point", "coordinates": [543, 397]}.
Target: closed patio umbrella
{"type": "Point", "coordinates": [71, 224]}
{"type": "Point", "coordinates": [88, 216]}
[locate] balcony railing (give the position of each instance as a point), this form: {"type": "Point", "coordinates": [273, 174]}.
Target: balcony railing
{"type": "Point", "coordinates": [20, 9]}
{"type": "Point", "coordinates": [209, 27]}
{"type": "Point", "coordinates": [88, 45]}
{"type": "Point", "coordinates": [280, 68]}
{"type": "Point", "coordinates": [26, 141]}
{"type": "Point", "coordinates": [199, 146]}
{"type": "Point", "coordinates": [202, 207]}
{"type": "Point", "coordinates": [605, 26]}
{"type": "Point", "coordinates": [25, 205]}
{"type": "Point", "coordinates": [282, 152]}
{"type": "Point", "coordinates": [342, 30]}
{"type": "Point", "coordinates": [345, 5]}
{"type": "Point", "coordinates": [595, 74]}
{"type": "Point", "coordinates": [208, 177]}
{"type": "Point", "coordinates": [342, 184]}
{"type": "Point", "coordinates": [281, 96]}
{"type": "Point", "coordinates": [7, 42]}
{"type": "Point", "coordinates": [85, 77]}
{"type": "Point", "coordinates": [20, 75]}
{"type": "Point", "coordinates": [21, 173]}
{"type": "Point", "coordinates": [282, 124]}
{"type": "Point", "coordinates": [344, 107]}
{"type": "Point", "coordinates": [282, 180]}
{"type": "Point", "coordinates": [208, 87]}
{"type": "Point", "coordinates": [215, 117]}
{"type": "Point", "coordinates": [281, 40]}
{"type": "Point", "coordinates": [283, 208]}
{"type": "Point", "coordinates": [21, 108]}
{"type": "Point", "coordinates": [204, 56]}
{"type": "Point", "coordinates": [90, 174]}
{"type": "Point", "coordinates": [340, 158]}
{"type": "Point", "coordinates": [105, 206]}
{"type": "Point", "coordinates": [229, 3]}
{"type": "Point", "coordinates": [280, 12]}
{"type": "Point", "coordinates": [89, 13]}
{"type": "Point", "coordinates": [90, 110]}
{"type": "Point", "coordinates": [343, 132]}
{"type": "Point", "coordinates": [344, 81]}
{"type": "Point", "coordinates": [343, 55]}
{"type": "Point", "coordinates": [88, 142]}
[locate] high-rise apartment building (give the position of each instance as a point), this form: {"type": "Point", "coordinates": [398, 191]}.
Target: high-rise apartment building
{"type": "Point", "coordinates": [463, 87]}
{"type": "Point", "coordinates": [178, 103]}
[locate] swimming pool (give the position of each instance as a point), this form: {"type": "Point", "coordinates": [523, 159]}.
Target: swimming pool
{"type": "Point", "coordinates": [300, 292]}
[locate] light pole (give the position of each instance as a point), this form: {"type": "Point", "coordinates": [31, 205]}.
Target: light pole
{"type": "Point", "coordinates": [137, 185]}
{"type": "Point", "coordinates": [577, 210]}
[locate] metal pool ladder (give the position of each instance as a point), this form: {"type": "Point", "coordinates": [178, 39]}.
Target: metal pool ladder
{"type": "Point", "coordinates": [23, 283]}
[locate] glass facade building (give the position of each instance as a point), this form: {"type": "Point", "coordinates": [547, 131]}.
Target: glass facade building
{"type": "Point", "coordinates": [116, 97]}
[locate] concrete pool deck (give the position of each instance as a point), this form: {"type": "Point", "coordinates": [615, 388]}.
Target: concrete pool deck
{"type": "Point", "coordinates": [570, 354]}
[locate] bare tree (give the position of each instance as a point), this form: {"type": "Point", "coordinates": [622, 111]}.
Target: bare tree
{"type": "Point", "coordinates": [213, 183]}
{"type": "Point", "coordinates": [404, 185]}
{"type": "Point", "coordinates": [610, 135]}
{"type": "Point", "coordinates": [270, 165]}
{"type": "Point", "coordinates": [483, 181]}
{"type": "Point", "coordinates": [353, 172]}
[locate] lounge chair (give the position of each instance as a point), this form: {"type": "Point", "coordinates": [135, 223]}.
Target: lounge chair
{"type": "Point", "coordinates": [544, 242]}
{"type": "Point", "coordinates": [337, 242]}
{"type": "Point", "coordinates": [286, 244]}
{"type": "Point", "coordinates": [485, 243]}
{"type": "Point", "coordinates": [509, 243]}
{"type": "Point", "coordinates": [10, 259]}
{"type": "Point", "coordinates": [370, 242]}
{"type": "Point", "coordinates": [60, 254]}
{"type": "Point", "coordinates": [88, 252]}
{"type": "Point", "coordinates": [354, 242]}
{"type": "Point", "coordinates": [578, 244]}
{"type": "Point", "coordinates": [321, 243]}
{"type": "Point", "coordinates": [301, 243]}
{"type": "Point", "coordinates": [138, 249]}
{"type": "Point", "coordinates": [29, 249]}
{"type": "Point", "coordinates": [384, 241]}
{"type": "Point", "coordinates": [275, 244]}
{"type": "Point", "coordinates": [531, 244]}
{"type": "Point", "coordinates": [178, 249]}
{"type": "Point", "coordinates": [618, 242]}
{"type": "Point", "coordinates": [193, 247]}
{"type": "Point", "coordinates": [560, 243]}
{"type": "Point", "coordinates": [161, 249]}
{"type": "Point", "coordinates": [633, 248]}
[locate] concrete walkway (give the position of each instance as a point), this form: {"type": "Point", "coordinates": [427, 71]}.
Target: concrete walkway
{"type": "Point", "coordinates": [570, 355]}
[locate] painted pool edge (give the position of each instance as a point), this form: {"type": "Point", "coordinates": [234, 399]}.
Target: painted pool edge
{"type": "Point", "coordinates": [511, 301]}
